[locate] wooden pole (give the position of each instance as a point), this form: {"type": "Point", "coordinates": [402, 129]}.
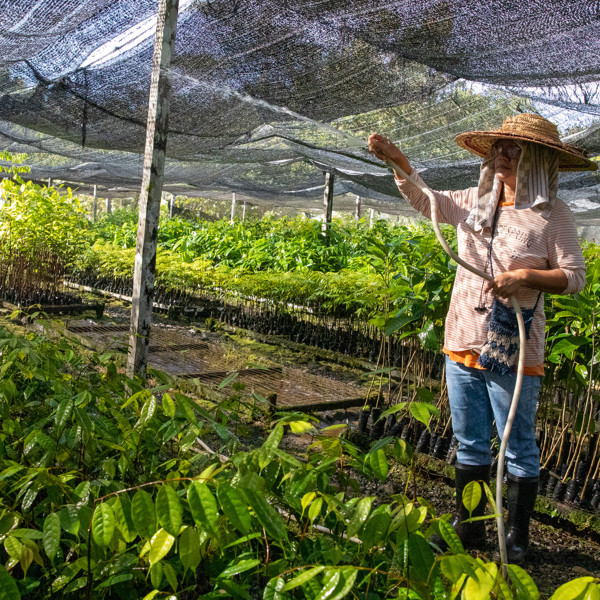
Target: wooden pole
{"type": "Point", "coordinates": [171, 205]}
{"type": "Point", "coordinates": [108, 206]}
{"type": "Point", "coordinates": [50, 182]}
{"type": "Point", "coordinates": [232, 207]}
{"type": "Point", "coordinates": [371, 218]}
{"type": "Point", "coordinates": [357, 209]}
{"type": "Point", "coordinates": [151, 191]}
{"type": "Point", "coordinates": [95, 209]}
{"type": "Point", "coordinates": [328, 201]}
{"type": "Point", "coordinates": [244, 211]}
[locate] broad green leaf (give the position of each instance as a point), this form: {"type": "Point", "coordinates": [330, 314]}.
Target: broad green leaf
{"type": "Point", "coordinates": [143, 514]}
{"type": "Point", "coordinates": [455, 566]}
{"type": "Point", "coordinates": [420, 411]}
{"type": "Point", "coordinates": [168, 406]}
{"type": "Point", "coordinates": [379, 464]}
{"type": "Point", "coordinates": [148, 410]}
{"type": "Point", "coordinates": [151, 595]}
{"type": "Point", "coordinates": [420, 555]}
{"type": "Point", "coordinates": [8, 586]}
{"type": "Point", "coordinates": [269, 518]}
{"type": "Point", "coordinates": [103, 524]}
{"type": "Point", "coordinates": [376, 527]}
{"type": "Point", "coordinates": [234, 507]}
{"type": "Point", "coordinates": [480, 586]}
{"type": "Point", "coordinates": [235, 590]}
{"type": "Point", "coordinates": [347, 579]}
{"type": "Point", "coordinates": [69, 519]}
{"type": "Point", "coordinates": [63, 413]}
{"type": "Point", "coordinates": [450, 537]}
{"type": "Point", "coordinates": [169, 510]}
{"type": "Point", "coordinates": [403, 451]}
{"type": "Point", "coordinates": [124, 520]}
{"type": "Point", "coordinates": [160, 544]}
{"type": "Point", "coordinates": [307, 499]}
{"type": "Point", "coordinates": [574, 590]}
{"type": "Point", "coordinates": [300, 427]}
{"type": "Point", "coordinates": [156, 575]}
{"type": "Point", "coordinates": [51, 539]}
{"type": "Point", "coordinates": [240, 567]}
{"type": "Point", "coordinates": [523, 583]}
{"type": "Point", "coordinates": [203, 506]}
{"type": "Point", "coordinates": [274, 589]}
{"type": "Point", "coordinates": [268, 448]}
{"type": "Point", "coordinates": [189, 549]}
{"type": "Point", "coordinates": [314, 510]}
{"type": "Point", "coordinates": [331, 578]}
{"type": "Point", "coordinates": [171, 576]}
{"type": "Point", "coordinates": [361, 512]}
{"type": "Point", "coordinates": [302, 578]}
{"type": "Point", "coordinates": [229, 379]}
{"type": "Point", "coordinates": [471, 496]}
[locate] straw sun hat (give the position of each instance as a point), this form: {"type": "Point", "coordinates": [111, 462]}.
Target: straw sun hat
{"type": "Point", "coordinates": [529, 128]}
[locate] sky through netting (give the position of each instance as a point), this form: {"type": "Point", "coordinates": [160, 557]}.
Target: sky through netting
{"type": "Point", "coordinates": [268, 94]}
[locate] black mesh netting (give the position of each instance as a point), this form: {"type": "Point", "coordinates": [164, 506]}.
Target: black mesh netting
{"type": "Point", "coordinates": [268, 94]}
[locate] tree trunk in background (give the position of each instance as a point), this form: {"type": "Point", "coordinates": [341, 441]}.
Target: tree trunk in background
{"type": "Point", "coordinates": [328, 201]}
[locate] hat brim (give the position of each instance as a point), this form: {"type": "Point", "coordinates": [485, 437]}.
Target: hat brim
{"type": "Point", "coordinates": [480, 143]}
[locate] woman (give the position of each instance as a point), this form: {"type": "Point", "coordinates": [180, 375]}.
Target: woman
{"type": "Point", "coordinates": [515, 228]}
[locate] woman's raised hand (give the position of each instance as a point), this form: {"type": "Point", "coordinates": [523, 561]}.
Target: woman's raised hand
{"type": "Point", "coordinates": [385, 149]}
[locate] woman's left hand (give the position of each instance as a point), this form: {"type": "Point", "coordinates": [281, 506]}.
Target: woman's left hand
{"type": "Point", "coordinates": [507, 284]}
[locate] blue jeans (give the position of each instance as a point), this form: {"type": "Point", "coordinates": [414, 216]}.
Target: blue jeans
{"type": "Point", "coordinates": [477, 397]}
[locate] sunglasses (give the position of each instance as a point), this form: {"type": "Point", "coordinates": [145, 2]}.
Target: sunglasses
{"type": "Point", "coordinates": [509, 149]}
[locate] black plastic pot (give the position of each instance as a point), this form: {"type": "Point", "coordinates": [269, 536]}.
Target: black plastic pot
{"type": "Point", "coordinates": [423, 443]}
{"type": "Point", "coordinates": [560, 488]}
{"type": "Point", "coordinates": [363, 420]}
{"type": "Point", "coordinates": [432, 442]}
{"type": "Point", "coordinates": [452, 449]}
{"type": "Point", "coordinates": [389, 424]}
{"type": "Point", "coordinates": [543, 480]}
{"type": "Point", "coordinates": [377, 424]}
{"type": "Point", "coordinates": [441, 446]}
{"type": "Point", "coordinates": [572, 489]}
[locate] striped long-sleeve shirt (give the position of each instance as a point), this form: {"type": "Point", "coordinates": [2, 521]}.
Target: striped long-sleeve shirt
{"type": "Point", "coordinates": [523, 240]}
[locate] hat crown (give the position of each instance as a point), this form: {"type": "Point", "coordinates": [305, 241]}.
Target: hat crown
{"type": "Point", "coordinates": [531, 126]}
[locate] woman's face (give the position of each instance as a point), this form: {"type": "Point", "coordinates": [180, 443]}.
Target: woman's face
{"type": "Point", "coordinates": [506, 160]}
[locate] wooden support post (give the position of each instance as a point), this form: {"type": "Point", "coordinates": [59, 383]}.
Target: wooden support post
{"type": "Point", "coordinates": [357, 209]}
{"type": "Point", "coordinates": [244, 211]}
{"type": "Point", "coordinates": [371, 218]}
{"type": "Point", "coordinates": [50, 182]}
{"type": "Point", "coordinates": [151, 191]}
{"type": "Point", "coordinates": [327, 202]}
{"type": "Point", "coordinates": [95, 207]}
{"type": "Point", "coordinates": [108, 206]}
{"type": "Point", "coordinates": [232, 207]}
{"type": "Point", "coordinates": [171, 205]}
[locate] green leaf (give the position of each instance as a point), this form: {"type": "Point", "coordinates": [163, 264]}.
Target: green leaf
{"type": "Point", "coordinates": [63, 413]}
{"type": "Point", "coordinates": [521, 580]}
{"type": "Point", "coordinates": [160, 544]}
{"type": "Point", "coordinates": [51, 539]}
{"type": "Point", "coordinates": [240, 567]}
{"type": "Point", "coordinates": [361, 512]}
{"type": "Point", "coordinates": [171, 576]}
{"type": "Point", "coordinates": [234, 507]}
{"type": "Point", "coordinates": [69, 519]}
{"type": "Point", "coordinates": [379, 464]}
{"type": "Point", "coordinates": [420, 555]}
{"type": "Point", "coordinates": [273, 589]}
{"type": "Point", "coordinates": [229, 379]}
{"type": "Point", "coordinates": [168, 406]}
{"type": "Point", "coordinates": [403, 451]}
{"type": "Point", "coordinates": [577, 589]}
{"type": "Point", "coordinates": [189, 549]}
{"type": "Point", "coordinates": [143, 514]}
{"type": "Point", "coordinates": [203, 506]}
{"type": "Point", "coordinates": [156, 575]}
{"type": "Point", "coordinates": [346, 583]}
{"type": "Point", "coordinates": [302, 578]}
{"type": "Point", "coordinates": [124, 520]}
{"type": "Point", "coordinates": [454, 567]}
{"type": "Point", "coordinates": [269, 518]}
{"type": "Point", "coordinates": [103, 524]}
{"type": "Point", "coordinates": [420, 411]}
{"type": "Point", "coordinates": [450, 537]}
{"type": "Point", "coordinates": [169, 510]}
{"type": "Point", "coordinates": [471, 496]}
{"type": "Point", "coordinates": [314, 510]}
{"type": "Point", "coordinates": [268, 448]}
{"type": "Point", "coordinates": [8, 586]}
{"type": "Point", "coordinates": [148, 410]}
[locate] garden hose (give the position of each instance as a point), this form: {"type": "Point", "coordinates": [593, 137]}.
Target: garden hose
{"type": "Point", "coordinates": [520, 366]}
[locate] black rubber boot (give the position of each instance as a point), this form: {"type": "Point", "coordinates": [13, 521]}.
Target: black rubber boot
{"type": "Point", "coordinates": [522, 492]}
{"type": "Point", "coordinates": [472, 535]}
